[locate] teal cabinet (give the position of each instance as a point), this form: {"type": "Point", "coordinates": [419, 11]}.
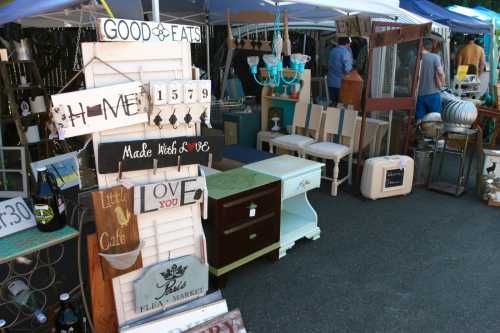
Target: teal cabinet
{"type": "Point", "coordinates": [241, 128]}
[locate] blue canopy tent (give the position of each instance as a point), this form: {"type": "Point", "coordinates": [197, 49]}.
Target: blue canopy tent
{"type": "Point", "coordinates": [456, 22]}
{"type": "Point", "coordinates": [14, 10]}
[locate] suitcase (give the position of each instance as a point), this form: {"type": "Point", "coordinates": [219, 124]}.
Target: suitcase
{"type": "Point", "coordinates": [387, 176]}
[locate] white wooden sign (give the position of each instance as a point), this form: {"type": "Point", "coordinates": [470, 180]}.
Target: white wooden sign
{"type": "Point", "coordinates": [94, 110]}
{"type": "Point", "coordinates": [168, 194]}
{"type": "Point", "coordinates": [120, 30]}
{"type": "Point", "coordinates": [177, 92]}
{"type": "Point", "coordinates": [15, 216]}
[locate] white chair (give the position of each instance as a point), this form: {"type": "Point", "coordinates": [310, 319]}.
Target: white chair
{"type": "Point", "coordinates": [306, 120]}
{"type": "Point", "coordinates": [340, 125]}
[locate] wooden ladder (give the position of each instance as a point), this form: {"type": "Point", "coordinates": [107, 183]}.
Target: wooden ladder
{"type": "Point", "coordinates": [10, 73]}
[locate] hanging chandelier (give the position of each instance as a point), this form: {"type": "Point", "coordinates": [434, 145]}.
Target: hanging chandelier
{"type": "Point", "coordinates": [274, 61]}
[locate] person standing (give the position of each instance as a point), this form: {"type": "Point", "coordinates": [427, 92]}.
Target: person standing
{"type": "Point", "coordinates": [339, 64]}
{"type": "Point", "coordinates": [431, 80]}
{"type": "Point", "coordinates": [472, 55]}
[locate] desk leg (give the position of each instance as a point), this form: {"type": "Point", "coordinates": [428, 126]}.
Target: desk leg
{"type": "Point", "coordinates": [219, 282]}
{"type": "Point", "coordinates": [274, 255]}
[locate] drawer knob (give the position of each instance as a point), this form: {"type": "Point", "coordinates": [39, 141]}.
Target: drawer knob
{"type": "Point", "coordinates": [252, 236]}
{"type": "Point", "coordinates": [252, 209]}
{"type": "Point", "coordinates": [304, 183]}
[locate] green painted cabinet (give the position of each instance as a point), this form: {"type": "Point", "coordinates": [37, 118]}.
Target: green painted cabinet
{"type": "Point", "coordinates": [241, 128]}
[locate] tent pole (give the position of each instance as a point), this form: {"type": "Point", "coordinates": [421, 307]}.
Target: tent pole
{"type": "Point", "coordinates": [155, 8]}
{"type": "Point", "coordinates": [207, 37]}
{"type": "Point", "coordinates": [493, 60]}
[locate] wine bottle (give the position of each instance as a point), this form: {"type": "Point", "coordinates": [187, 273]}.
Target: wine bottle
{"type": "Point", "coordinates": [68, 319]}
{"type": "Point", "coordinates": [22, 295]}
{"type": "Point", "coordinates": [49, 206]}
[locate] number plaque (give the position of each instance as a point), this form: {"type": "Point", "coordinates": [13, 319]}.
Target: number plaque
{"type": "Point", "coordinates": [15, 216]}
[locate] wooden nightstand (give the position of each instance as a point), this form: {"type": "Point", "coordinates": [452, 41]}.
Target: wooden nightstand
{"type": "Point", "coordinates": [243, 219]}
{"type": "Point", "coordinates": [298, 176]}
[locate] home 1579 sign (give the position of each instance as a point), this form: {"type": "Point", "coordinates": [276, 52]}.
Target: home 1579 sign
{"type": "Point", "coordinates": [170, 281]}
{"type": "Point", "coordinates": [94, 110]}
{"type": "Point", "coordinates": [168, 194]}
{"type": "Point", "coordinates": [15, 216]}
{"type": "Point", "coordinates": [119, 30]}
{"type": "Point", "coordinates": [140, 155]}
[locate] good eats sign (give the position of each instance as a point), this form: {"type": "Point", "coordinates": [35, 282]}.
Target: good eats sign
{"type": "Point", "coordinates": [119, 30]}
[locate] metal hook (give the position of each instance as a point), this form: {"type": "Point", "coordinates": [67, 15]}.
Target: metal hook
{"type": "Point", "coordinates": [173, 120]}
{"type": "Point", "coordinates": [188, 118]}
{"type": "Point", "coordinates": [179, 163]}
{"type": "Point", "coordinates": [120, 170]}
{"type": "Point", "coordinates": [155, 165]}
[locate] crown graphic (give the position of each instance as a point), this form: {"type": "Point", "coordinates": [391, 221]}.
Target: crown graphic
{"type": "Point", "coordinates": [176, 271]}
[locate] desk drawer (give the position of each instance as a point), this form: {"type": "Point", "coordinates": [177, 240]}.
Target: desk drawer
{"type": "Point", "coordinates": [249, 237]}
{"type": "Point", "coordinates": [238, 210]}
{"type": "Point", "coordinates": [301, 184]}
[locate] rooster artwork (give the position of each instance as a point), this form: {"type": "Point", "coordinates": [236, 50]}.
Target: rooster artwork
{"type": "Point", "coordinates": [491, 169]}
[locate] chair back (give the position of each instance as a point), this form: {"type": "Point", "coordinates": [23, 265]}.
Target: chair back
{"type": "Point", "coordinates": [340, 125]}
{"type": "Point", "coordinates": [307, 119]}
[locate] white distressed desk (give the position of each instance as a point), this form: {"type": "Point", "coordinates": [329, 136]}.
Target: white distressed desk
{"type": "Point", "coordinates": [298, 217]}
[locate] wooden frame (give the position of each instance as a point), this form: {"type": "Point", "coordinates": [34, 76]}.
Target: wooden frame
{"type": "Point", "coordinates": [402, 33]}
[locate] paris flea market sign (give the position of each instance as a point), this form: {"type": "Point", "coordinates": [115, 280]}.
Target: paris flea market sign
{"type": "Point", "coordinates": [169, 282]}
{"type": "Point", "coordinates": [120, 30]}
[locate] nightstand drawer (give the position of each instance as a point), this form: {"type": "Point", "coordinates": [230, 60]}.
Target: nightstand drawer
{"type": "Point", "coordinates": [249, 237]}
{"type": "Point", "coordinates": [251, 206]}
{"type": "Point", "coordinates": [301, 183]}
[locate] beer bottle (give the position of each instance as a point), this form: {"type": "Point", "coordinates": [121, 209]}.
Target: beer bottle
{"type": "Point", "coordinates": [67, 319]}
{"type": "Point", "coordinates": [49, 207]}
{"type": "Point", "coordinates": [23, 296]}
{"type": "Point", "coordinates": [3, 326]}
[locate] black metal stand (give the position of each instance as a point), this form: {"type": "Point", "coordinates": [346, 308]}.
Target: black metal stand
{"type": "Point", "coordinates": [435, 182]}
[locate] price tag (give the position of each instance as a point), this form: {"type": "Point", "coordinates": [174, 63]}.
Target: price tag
{"type": "Point", "coordinates": [204, 91]}
{"type": "Point", "coordinates": [15, 216]}
{"type": "Point", "coordinates": [174, 90]}
{"type": "Point", "coordinates": [190, 92]}
{"type": "Point", "coordinates": [158, 92]}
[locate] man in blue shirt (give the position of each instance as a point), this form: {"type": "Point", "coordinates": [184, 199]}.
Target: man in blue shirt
{"type": "Point", "coordinates": [339, 64]}
{"type": "Point", "coordinates": [431, 80]}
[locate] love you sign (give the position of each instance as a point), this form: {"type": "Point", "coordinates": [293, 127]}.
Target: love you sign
{"type": "Point", "coordinates": [140, 155]}
{"type": "Point", "coordinates": [168, 194]}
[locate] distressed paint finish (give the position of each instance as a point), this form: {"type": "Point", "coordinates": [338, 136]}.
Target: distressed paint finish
{"type": "Point", "coordinates": [170, 282]}
{"type": "Point", "coordinates": [116, 226]}
{"type": "Point", "coordinates": [94, 110]}
{"type": "Point", "coordinates": [230, 322]}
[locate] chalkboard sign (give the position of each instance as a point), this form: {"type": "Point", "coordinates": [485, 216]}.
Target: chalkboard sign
{"type": "Point", "coordinates": [140, 155]}
{"type": "Point", "coordinates": [15, 216]}
{"type": "Point", "coordinates": [394, 178]}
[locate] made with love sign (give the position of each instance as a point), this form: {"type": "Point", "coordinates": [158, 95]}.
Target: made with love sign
{"type": "Point", "coordinates": [168, 194]}
{"type": "Point", "coordinates": [170, 281]}
{"type": "Point", "coordinates": [94, 110]}
{"type": "Point", "coordinates": [141, 155]}
{"type": "Point", "coordinates": [120, 30]}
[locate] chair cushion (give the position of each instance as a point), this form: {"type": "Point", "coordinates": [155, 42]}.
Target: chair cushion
{"type": "Point", "coordinates": [329, 150]}
{"type": "Point", "coordinates": [292, 141]}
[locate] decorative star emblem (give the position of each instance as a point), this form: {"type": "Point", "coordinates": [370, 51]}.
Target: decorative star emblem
{"type": "Point", "coordinates": [161, 32]}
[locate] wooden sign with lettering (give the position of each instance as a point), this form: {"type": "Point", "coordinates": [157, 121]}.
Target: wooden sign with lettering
{"type": "Point", "coordinates": [116, 225]}
{"type": "Point", "coordinates": [230, 322]}
{"type": "Point", "coordinates": [170, 282]}
{"type": "Point", "coordinates": [94, 110]}
{"type": "Point", "coordinates": [353, 25]}
{"type": "Point", "coordinates": [140, 155]}
{"type": "Point", "coordinates": [168, 194]}
{"type": "Point", "coordinates": [120, 30]}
